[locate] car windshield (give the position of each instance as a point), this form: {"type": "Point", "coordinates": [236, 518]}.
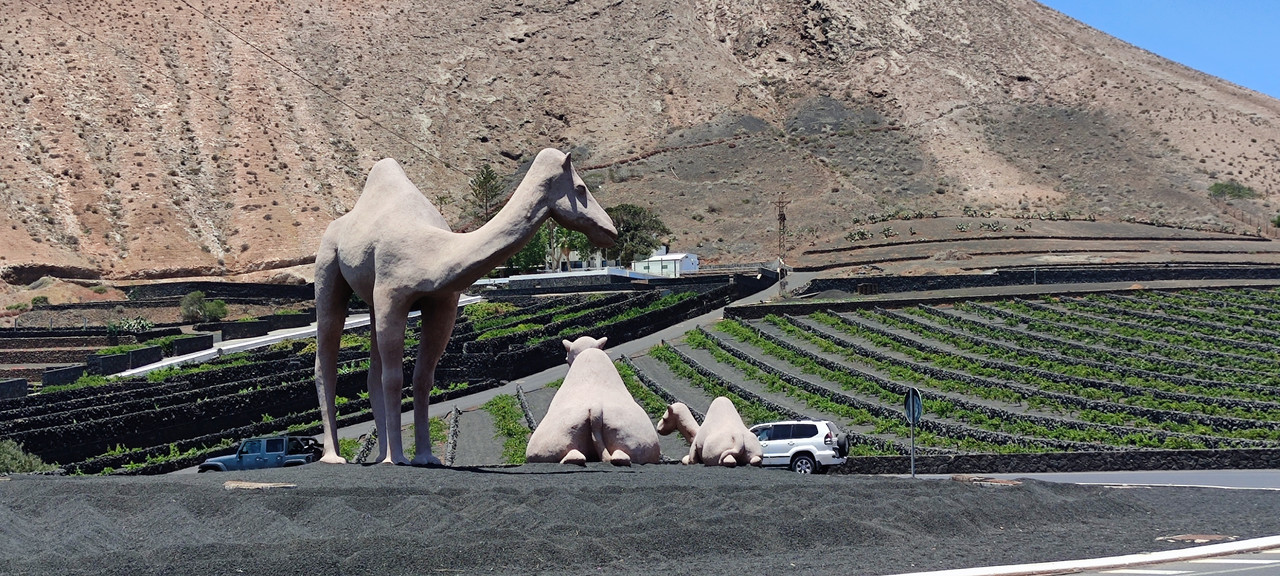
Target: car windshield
{"type": "Point", "coordinates": [251, 447]}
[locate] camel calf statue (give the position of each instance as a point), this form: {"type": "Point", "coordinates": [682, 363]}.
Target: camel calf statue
{"type": "Point", "coordinates": [722, 440]}
{"type": "Point", "coordinates": [395, 251]}
{"type": "Point", "coordinates": [592, 416]}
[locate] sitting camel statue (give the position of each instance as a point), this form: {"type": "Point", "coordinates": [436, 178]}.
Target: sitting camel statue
{"type": "Point", "coordinates": [592, 416]}
{"type": "Point", "coordinates": [722, 440]}
{"type": "Point", "coordinates": [396, 252]}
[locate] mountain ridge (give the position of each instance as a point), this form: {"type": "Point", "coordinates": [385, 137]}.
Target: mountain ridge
{"type": "Point", "coordinates": [151, 139]}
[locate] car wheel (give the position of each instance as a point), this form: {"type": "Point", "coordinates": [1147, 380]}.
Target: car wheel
{"type": "Point", "coordinates": [803, 464]}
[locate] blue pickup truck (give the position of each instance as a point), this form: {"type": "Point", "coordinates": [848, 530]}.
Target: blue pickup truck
{"type": "Point", "coordinates": [266, 452]}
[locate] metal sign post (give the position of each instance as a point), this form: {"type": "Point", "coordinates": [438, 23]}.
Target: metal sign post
{"type": "Point", "coordinates": [914, 408]}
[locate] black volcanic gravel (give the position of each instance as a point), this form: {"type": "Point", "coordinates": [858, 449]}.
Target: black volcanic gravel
{"type": "Point", "coordinates": [553, 519]}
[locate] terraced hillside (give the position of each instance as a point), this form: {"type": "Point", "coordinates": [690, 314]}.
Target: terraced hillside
{"type": "Point", "coordinates": [1118, 380]}
{"type": "Point", "coordinates": [176, 417]}
{"type": "Point", "coordinates": [1150, 377]}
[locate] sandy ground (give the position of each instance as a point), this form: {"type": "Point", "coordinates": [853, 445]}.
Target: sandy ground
{"type": "Point", "coordinates": [553, 519]}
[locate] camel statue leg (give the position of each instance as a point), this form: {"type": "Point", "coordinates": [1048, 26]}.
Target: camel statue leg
{"type": "Point", "coordinates": [614, 450]}
{"type": "Point", "coordinates": [595, 421]}
{"type": "Point", "coordinates": [332, 292]}
{"type": "Point", "coordinates": [438, 318]}
{"type": "Point", "coordinates": [574, 457]}
{"type": "Point", "coordinates": [374, 382]}
{"type": "Point", "coordinates": [390, 319]}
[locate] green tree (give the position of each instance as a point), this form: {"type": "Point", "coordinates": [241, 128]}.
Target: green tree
{"type": "Point", "coordinates": [640, 232]}
{"type": "Point", "coordinates": [486, 194]}
{"type": "Point", "coordinates": [192, 306]}
{"type": "Point", "coordinates": [534, 254]}
{"type": "Point", "coordinates": [562, 241]}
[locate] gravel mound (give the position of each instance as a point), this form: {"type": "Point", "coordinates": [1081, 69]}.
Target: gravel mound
{"type": "Point", "coordinates": [556, 519]}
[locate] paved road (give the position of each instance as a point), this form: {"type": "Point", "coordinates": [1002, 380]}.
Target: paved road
{"type": "Point", "coordinates": [1229, 479]}
{"type": "Point", "coordinates": [1265, 563]}
{"type": "Point", "coordinates": [1256, 557]}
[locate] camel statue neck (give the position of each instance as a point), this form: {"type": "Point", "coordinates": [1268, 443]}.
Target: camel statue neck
{"type": "Point", "coordinates": [685, 422]}
{"type": "Point", "coordinates": [507, 232]}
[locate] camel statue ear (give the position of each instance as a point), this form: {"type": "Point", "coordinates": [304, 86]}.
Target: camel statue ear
{"type": "Point", "coordinates": [567, 345]}
{"type": "Point", "coordinates": [600, 342]}
{"type": "Point", "coordinates": [568, 161]}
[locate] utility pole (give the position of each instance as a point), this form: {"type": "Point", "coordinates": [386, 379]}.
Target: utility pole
{"type": "Point", "coordinates": [781, 204]}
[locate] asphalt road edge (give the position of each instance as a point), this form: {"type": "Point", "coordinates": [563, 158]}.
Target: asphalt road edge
{"type": "Point", "coordinates": [1066, 566]}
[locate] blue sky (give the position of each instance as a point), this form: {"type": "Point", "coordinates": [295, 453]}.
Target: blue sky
{"type": "Point", "coordinates": [1236, 40]}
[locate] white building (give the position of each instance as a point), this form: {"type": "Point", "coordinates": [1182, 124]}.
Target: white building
{"type": "Point", "coordinates": [667, 265]}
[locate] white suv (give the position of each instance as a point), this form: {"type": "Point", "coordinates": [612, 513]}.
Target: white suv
{"type": "Point", "coordinates": [804, 446]}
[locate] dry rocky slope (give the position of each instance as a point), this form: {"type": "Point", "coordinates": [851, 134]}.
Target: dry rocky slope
{"type": "Point", "coordinates": [144, 139]}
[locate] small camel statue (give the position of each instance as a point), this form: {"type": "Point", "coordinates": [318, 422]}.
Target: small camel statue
{"type": "Point", "coordinates": [592, 416]}
{"type": "Point", "coordinates": [722, 440]}
{"type": "Point", "coordinates": [395, 250]}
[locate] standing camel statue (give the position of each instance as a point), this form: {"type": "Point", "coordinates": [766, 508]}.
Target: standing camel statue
{"type": "Point", "coordinates": [593, 417]}
{"type": "Point", "coordinates": [396, 252]}
{"type": "Point", "coordinates": [722, 440]}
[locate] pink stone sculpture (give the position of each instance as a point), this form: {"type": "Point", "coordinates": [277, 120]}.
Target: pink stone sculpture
{"type": "Point", "coordinates": [722, 440]}
{"type": "Point", "coordinates": [395, 251]}
{"type": "Point", "coordinates": [592, 416]}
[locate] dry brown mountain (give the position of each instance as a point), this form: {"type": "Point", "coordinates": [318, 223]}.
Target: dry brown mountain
{"type": "Point", "coordinates": [145, 138]}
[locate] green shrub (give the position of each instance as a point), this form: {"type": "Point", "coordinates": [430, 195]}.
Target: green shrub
{"type": "Point", "coordinates": [215, 310]}
{"type": "Point", "coordinates": [121, 349]}
{"type": "Point", "coordinates": [508, 419]}
{"type": "Point", "coordinates": [14, 460]}
{"type": "Point", "coordinates": [196, 309]}
{"type": "Point", "coordinates": [39, 301]}
{"type": "Point", "coordinates": [99, 289]}
{"type": "Point", "coordinates": [483, 310]}
{"type": "Point", "coordinates": [286, 312]}
{"type": "Point", "coordinates": [134, 325]}
{"type": "Point", "coordinates": [21, 306]}
{"type": "Point", "coordinates": [348, 448]}
{"type": "Point", "coordinates": [81, 382]}
{"type": "Point", "coordinates": [166, 342]}
{"type": "Point", "coordinates": [498, 332]}
{"type": "Point", "coordinates": [1232, 190]}
{"type": "Point", "coordinates": [287, 344]}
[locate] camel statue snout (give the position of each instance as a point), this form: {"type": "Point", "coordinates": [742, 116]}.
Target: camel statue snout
{"type": "Point", "coordinates": [605, 236]}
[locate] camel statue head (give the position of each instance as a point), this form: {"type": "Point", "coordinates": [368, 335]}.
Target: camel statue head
{"type": "Point", "coordinates": [671, 418]}
{"type": "Point", "coordinates": [572, 205]}
{"type": "Point", "coordinates": [572, 349]}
